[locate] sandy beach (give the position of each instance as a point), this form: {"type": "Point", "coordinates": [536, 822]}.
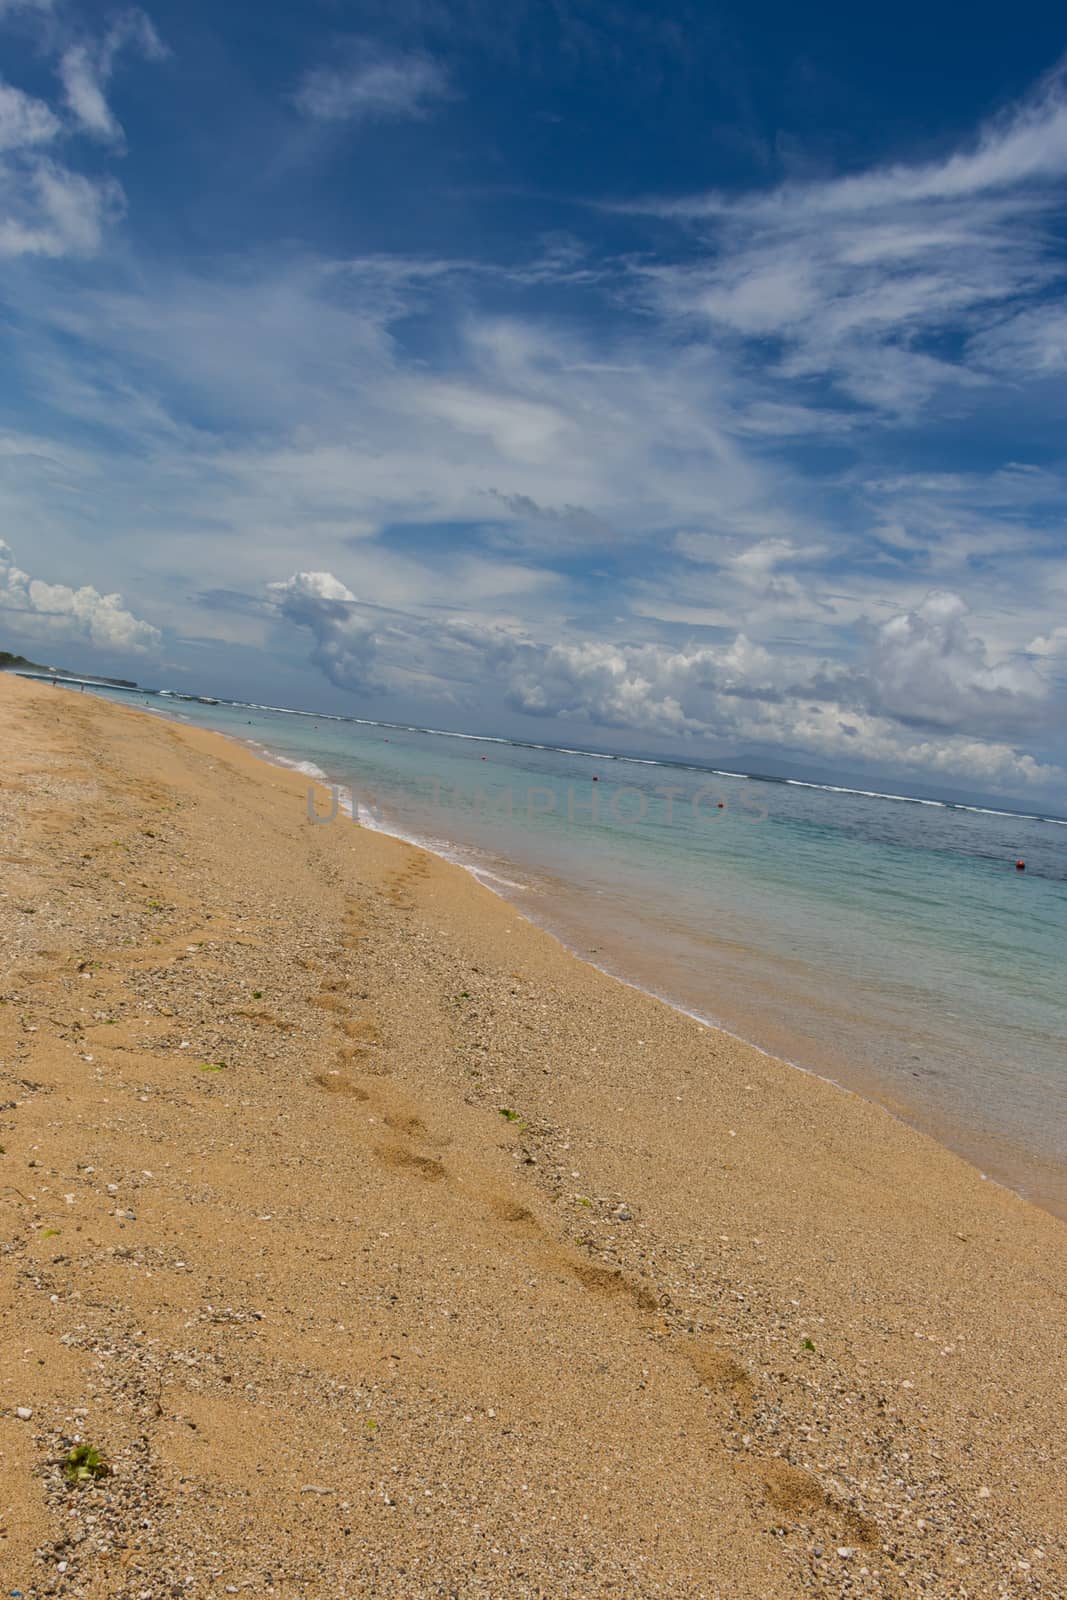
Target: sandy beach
{"type": "Point", "coordinates": [382, 1248]}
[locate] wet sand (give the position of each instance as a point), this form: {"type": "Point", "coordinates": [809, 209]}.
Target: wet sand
{"type": "Point", "coordinates": [383, 1248]}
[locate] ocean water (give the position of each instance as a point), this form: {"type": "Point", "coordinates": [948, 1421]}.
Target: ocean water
{"type": "Point", "coordinates": [886, 943]}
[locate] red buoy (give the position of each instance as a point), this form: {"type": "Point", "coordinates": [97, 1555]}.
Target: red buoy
{"type": "Point", "coordinates": [595, 778]}
{"type": "Point", "coordinates": [1020, 865]}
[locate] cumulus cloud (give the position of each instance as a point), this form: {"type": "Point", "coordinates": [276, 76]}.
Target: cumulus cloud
{"type": "Point", "coordinates": [344, 638]}
{"type": "Point", "coordinates": [1049, 644]}
{"type": "Point", "coordinates": [52, 612]}
{"type": "Point", "coordinates": [649, 687]}
{"type": "Point", "coordinates": [687, 547]}
{"type": "Point", "coordinates": [741, 692]}
{"type": "Point", "coordinates": [928, 669]}
{"type": "Point", "coordinates": [375, 87]}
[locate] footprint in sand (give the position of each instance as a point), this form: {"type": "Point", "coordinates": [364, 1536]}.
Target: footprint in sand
{"type": "Point", "coordinates": [337, 1083]}
{"type": "Point", "coordinates": [612, 1283]}
{"type": "Point", "coordinates": [413, 1127]}
{"type": "Point", "coordinates": [333, 995]}
{"type": "Point", "coordinates": [798, 1495]}
{"type": "Point", "coordinates": [359, 1058]}
{"type": "Point", "coordinates": [330, 1002]}
{"type": "Point", "coordinates": [397, 887]}
{"type": "Point", "coordinates": [404, 1126]}
{"type": "Point", "coordinates": [361, 1031]}
{"type": "Point", "coordinates": [720, 1372]}
{"type": "Point", "coordinates": [396, 1155]}
{"type": "Point", "coordinates": [506, 1210]}
{"type": "Point", "coordinates": [361, 1049]}
{"type": "Point", "coordinates": [267, 1019]}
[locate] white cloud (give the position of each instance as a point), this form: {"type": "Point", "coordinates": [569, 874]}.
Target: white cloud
{"type": "Point", "coordinates": [376, 87]}
{"type": "Point", "coordinates": [85, 70]}
{"type": "Point", "coordinates": [1030, 341]}
{"type": "Point", "coordinates": [51, 211]}
{"type": "Point", "coordinates": [81, 77]}
{"type": "Point", "coordinates": [52, 612]}
{"type": "Point", "coordinates": [1027, 143]}
{"type": "Point", "coordinates": [519, 429]}
{"type": "Point", "coordinates": [328, 425]}
{"type": "Point", "coordinates": [676, 473]}
{"type": "Point", "coordinates": [767, 556]}
{"type": "Point", "coordinates": [928, 666]}
{"type": "Point", "coordinates": [740, 692]}
{"type": "Point", "coordinates": [345, 644]}
{"type": "Point", "coordinates": [327, 437]}
{"type": "Point", "coordinates": [46, 207]}
{"type": "Point", "coordinates": [77, 208]}
{"type": "Point", "coordinates": [855, 275]}
{"type": "Point", "coordinates": [737, 691]}
{"type": "Point", "coordinates": [24, 121]}
{"type": "Point", "coordinates": [1049, 644]}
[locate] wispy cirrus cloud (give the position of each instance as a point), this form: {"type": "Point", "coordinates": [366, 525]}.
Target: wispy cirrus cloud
{"type": "Point", "coordinates": [374, 86]}
{"type": "Point", "coordinates": [760, 477]}
{"type": "Point", "coordinates": [872, 281]}
{"type": "Point", "coordinates": [25, 122]}
{"type": "Point", "coordinates": [48, 210]}
{"type": "Point", "coordinates": [86, 67]}
{"type": "Point", "coordinates": [47, 207]}
{"type": "Point", "coordinates": [328, 438]}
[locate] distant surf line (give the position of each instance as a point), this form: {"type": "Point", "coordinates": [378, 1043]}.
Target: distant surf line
{"type": "Point", "coordinates": [609, 755]}
{"type": "Point", "coordinates": [663, 761]}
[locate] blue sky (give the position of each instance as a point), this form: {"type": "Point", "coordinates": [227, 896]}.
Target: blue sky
{"type": "Point", "coordinates": [691, 381]}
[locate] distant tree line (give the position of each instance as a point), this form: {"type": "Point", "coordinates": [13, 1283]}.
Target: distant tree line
{"type": "Point", "coordinates": [13, 663]}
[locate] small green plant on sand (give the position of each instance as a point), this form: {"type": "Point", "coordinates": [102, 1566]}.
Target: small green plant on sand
{"type": "Point", "coordinates": [257, 994]}
{"type": "Point", "coordinates": [509, 1115]}
{"type": "Point", "coordinates": [212, 1066]}
{"type": "Point", "coordinates": [807, 1345]}
{"type": "Point", "coordinates": [85, 1464]}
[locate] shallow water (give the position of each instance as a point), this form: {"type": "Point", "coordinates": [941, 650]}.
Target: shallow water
{"type": "Point", "coordinates": [886, 943]}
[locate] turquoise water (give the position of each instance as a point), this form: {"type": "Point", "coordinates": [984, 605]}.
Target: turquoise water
{"type": "Point", "coordinates": [888, 944]}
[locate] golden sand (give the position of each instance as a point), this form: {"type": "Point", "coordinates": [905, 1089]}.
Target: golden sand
{"type": "Point", "coordinates": [382, 1248]}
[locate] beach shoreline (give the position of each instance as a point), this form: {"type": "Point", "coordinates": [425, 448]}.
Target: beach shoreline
{"type": "Point", "coordinates": [997, 1158]}
{"type": "Point", "coordinates": [556, 1289]}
